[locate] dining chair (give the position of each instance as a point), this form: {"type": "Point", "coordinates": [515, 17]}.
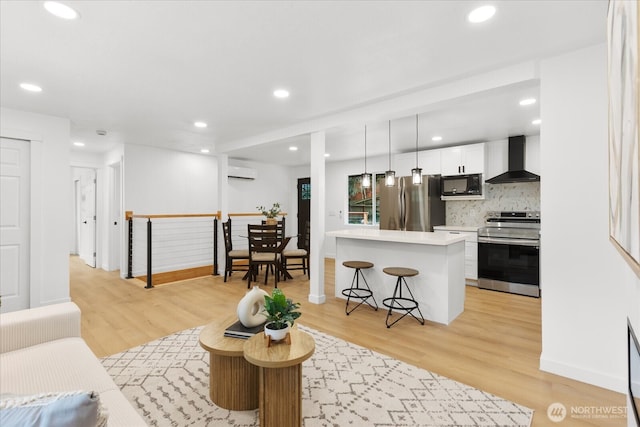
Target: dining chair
{"type": "Point", "coordinates": [235, 259]}
{"type": "Point", "coordinates": [301, 255]}
{"type": "Point", "coordinates": [280, 228]}
{"type": "Point", "coordinates": [264, 247]}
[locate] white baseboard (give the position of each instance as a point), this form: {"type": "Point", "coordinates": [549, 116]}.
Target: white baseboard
{"type": "Point", "coordinates": [598, 379]}
{"type": "Point", "coordinates": [317, 299]}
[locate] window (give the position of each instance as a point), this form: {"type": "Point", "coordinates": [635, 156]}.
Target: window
{"type": "Point", "coordinates": [363, 200]}
{"type": "Point", "coordinates": [306, 191]}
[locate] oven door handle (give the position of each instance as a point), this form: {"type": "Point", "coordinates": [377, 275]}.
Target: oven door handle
{"type": "Point", "coordinates": [507, 241]}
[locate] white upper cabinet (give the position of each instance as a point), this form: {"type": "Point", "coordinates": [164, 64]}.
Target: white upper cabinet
{"type": "Point", "coordinates": [463, 159]}
{"type": "Point", "coordinates": [429, 161]}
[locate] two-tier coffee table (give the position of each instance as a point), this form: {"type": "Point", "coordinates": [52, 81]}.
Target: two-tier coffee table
{"type": "Point", "coordinates": [280, 375]}
{"type": "Point", "coordinates": [233, 382]}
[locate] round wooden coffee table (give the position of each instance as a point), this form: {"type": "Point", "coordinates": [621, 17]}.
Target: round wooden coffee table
{"type": "Point", "coordinates": [233, 382]}
{"type": "Point", "coordinates": [280, 374]}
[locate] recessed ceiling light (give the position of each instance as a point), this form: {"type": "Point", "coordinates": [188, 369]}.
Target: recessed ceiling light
{"type": "Point", "coordinates": [528, 101]}
{"type": "Point", "coordinates": [436, 138]}
{"type": "Point", "coordinates": [536, 122]}
{"type": "Point", "coordinates": [204, 151]}
{"type": "Point", "coordinates": [30, 87]}
{"type": "Point", "coordinates": [327, 154]}
{"type": "Point", "coordinates": [60, 10]}
{"type": "Point", "coordinates": [200, 124]}
{"type": "Point", "coordinates": [78, 144]}
{"type": "Point", "coordinates": [293, 148]}
{"type": "Point", "coordinates": [481, 14]}
{"type": "Point", "coordinates": [281, 93]}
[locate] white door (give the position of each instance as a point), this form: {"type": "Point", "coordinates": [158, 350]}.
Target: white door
{"type": "Point", "coordinates": [87, 217]}
{"type": "Point", "coordinates": [14, 224]}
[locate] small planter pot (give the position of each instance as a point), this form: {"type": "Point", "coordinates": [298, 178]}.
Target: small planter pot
{"type": "Point", "coordinates": [271, 221]}
{"type": "Point", "coordinates": [276, 334]}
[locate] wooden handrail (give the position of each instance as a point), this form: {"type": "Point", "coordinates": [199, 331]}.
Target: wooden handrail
{"type": "Point", "coordinates": [252, 214]}
{"type": "Point", "coordinates": [130, 214]}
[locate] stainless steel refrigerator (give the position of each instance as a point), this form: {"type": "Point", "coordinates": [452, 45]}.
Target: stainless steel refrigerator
{"type": "Point", "coordinates": [411, 207]}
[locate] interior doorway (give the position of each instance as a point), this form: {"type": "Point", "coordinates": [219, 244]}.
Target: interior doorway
{"type": "Point", "coordinates": [304, 208]}
{"type": "Point", "coordinates": [85, 185]}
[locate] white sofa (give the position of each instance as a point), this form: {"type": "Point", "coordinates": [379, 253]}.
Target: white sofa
{"type": "Point", "coordinates": [41, 351]}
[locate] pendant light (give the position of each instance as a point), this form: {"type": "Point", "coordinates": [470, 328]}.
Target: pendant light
{"type": "Point", "coordinates": [390, 176]}
{"type": "Point", "coordinates": [416, 173]}
{"type": "Point", "coordinates": [366, 177]}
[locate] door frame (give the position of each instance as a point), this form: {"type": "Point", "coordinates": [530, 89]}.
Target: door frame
{"type": "Point", "coordinates": [116, 215]}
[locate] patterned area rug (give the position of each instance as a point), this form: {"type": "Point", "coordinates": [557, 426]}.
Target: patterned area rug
{"type": "Point", "coordinates": [343, 385]}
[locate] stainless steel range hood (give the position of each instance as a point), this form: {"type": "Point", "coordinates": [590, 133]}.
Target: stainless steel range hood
{"type": "Point", "coordinates": [516, 172]}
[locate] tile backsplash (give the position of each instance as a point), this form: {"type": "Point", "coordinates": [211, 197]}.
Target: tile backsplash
{"type": "Point", "coordinates": [522, 196]}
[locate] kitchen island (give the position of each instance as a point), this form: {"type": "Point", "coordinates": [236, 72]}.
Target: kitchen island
{"type": "Point", "coordinates": [440, 286]}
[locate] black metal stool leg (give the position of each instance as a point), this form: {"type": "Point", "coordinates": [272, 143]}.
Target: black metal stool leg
{"type": "Point", "coordinates": [398, 302]}
{"type": "Point", "coordinates": [363, 294]}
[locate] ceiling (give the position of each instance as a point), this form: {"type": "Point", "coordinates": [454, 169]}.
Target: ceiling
{"type": "Point", "coordinates": [145, 70]}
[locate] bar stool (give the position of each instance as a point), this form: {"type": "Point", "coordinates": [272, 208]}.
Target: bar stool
{"type": "Point", "coordinates": [363, 294]}
{"type": "Point", "coordinates": [397, 301]}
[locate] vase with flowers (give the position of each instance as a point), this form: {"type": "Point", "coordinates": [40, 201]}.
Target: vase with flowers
{"type": "Point", "coordinates": [271, 213]}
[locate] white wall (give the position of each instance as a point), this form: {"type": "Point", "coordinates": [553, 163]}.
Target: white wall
{"type": "Point", "coordinates": [273, 184]}
{"type": "Point", "coordinates": [159, 181]}
{"type": "Point", "coordinates": [585, 284]}
{"type": "Point", "coordinates": [50, 201]}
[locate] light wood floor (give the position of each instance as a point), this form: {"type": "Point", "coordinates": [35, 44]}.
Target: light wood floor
{"type": "Point", "coordinates": [494, 345]}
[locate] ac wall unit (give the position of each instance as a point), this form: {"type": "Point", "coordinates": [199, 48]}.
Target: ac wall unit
{"type": "Point", "coordinates": [242, 173]}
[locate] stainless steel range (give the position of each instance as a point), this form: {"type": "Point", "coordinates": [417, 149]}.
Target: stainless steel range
{"type": "Point", "coordinates": [509, 252]}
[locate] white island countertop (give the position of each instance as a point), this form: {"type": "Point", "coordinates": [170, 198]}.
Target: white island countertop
{"type": "Point", "coordinates": [415, 237]}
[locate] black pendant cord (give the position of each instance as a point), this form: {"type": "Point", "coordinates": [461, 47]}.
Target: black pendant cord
{"type": "Point", "coordinates": [389, 144]}
{"type": "Point", "coordinates": [416, 141]}
{"type": "Point", "coordinates": [365, 149]}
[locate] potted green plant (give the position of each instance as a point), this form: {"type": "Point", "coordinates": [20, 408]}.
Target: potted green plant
{"type": "Point", "coordinates": [281, 313]}
{"type": "Point", "coordinates": [270, 214]}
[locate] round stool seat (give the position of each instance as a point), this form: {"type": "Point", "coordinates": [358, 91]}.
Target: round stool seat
{"type": "Point", "coordinates": [400, 271]}
{"type": "Point", "coordinates": [357, 264]}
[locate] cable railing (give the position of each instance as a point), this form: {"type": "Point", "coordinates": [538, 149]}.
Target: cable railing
{"type": "Point", "coordinates": [170, 242]}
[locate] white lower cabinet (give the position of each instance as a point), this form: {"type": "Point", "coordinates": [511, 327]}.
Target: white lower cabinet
{"type": "Point", "coordinates": [470, 248]}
